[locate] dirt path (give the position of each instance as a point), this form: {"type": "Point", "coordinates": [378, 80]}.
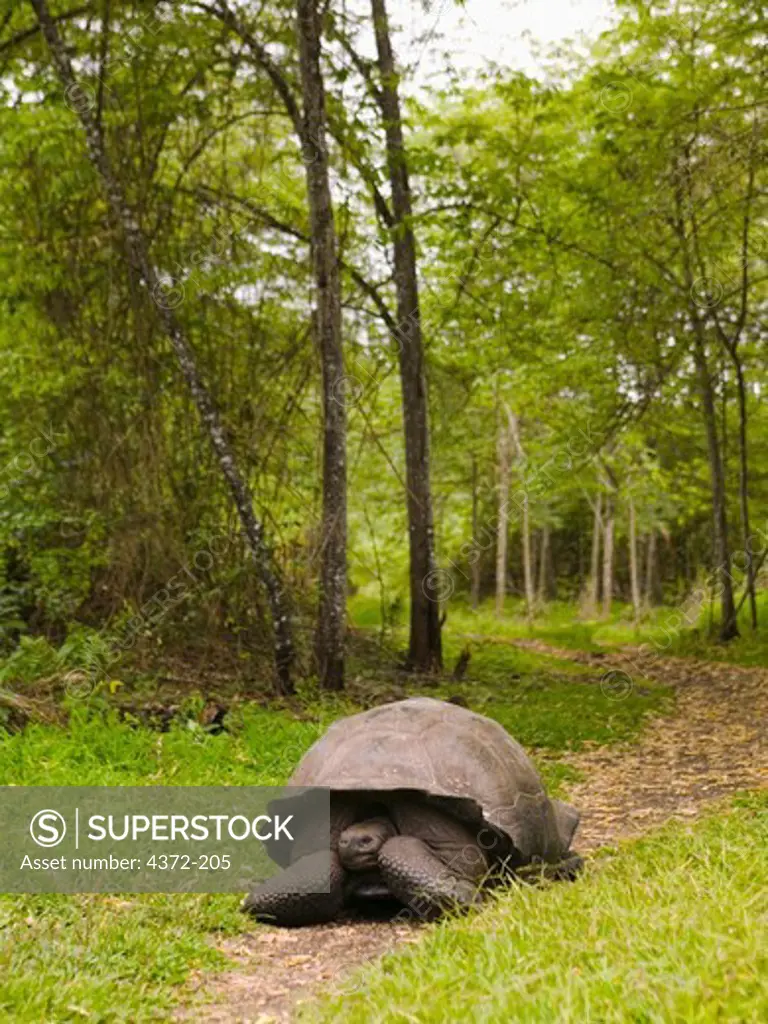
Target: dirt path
{"type": "Point", "coordinates": [715, 743]}
{"type": "Point", "coordinates": [277, 968]}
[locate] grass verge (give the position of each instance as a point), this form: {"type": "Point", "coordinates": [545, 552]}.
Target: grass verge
{"type": "Point", "coordinates": [668, 630]}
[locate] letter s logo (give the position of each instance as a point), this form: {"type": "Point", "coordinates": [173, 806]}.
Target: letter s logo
{"type": "Point", "coordinates": [48, 828]}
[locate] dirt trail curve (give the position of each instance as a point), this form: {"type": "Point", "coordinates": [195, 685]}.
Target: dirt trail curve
{"type": "Point", "coordinates": [714, 743]}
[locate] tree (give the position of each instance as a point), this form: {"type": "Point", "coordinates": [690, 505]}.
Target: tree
{"type": "Point", "coordinates": [475, 568]}
{"type": "Point", "coordinates": [425, 647]}
{"type": "Point", "coordinates": [504, 445]}
{"type": "Point", "coordinates": [593, 581]}
{"type": "Point", "coordinates": [332, 614]}
{"type": "Point", "coordinates": [608, 528]}
{"type": "Point", "coordinates": [634, 571]}
{"type": "Point", "coordinates": [730, 328]}
{"type": "Point", "coordinates": [525, 520]}
{"type": "Point", "coordinates": [309, 123]}
{"type": "Point", "coordinates": [138, 254]}
{"type": "Point", "coordinates": [547, 585]}
{"type": "Point", "coordinates": [606, 257]}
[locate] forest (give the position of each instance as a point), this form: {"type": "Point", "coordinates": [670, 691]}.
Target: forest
{"type": "Point", "coordinates": [320, 389]}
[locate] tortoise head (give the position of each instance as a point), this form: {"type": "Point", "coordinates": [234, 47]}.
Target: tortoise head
{"type": "Point", "coordinates": [359, 844]}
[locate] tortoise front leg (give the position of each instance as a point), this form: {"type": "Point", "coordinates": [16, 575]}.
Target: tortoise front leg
{"type": "Point", "coordinates": [294, 897]}
{"type": "Point", "coordinates": [421, 881]}
{"type": "Point", "coordinates": [567, 870]}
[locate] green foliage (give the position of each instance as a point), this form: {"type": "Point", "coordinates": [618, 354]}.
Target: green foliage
{"type": "Point", "coordinates": [553, 281]}
{"type": "Point", "coordinates": [34, 660]}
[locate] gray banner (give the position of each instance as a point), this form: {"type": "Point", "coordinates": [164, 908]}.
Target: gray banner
{"type": "Point", "coordinates": [155, 838]}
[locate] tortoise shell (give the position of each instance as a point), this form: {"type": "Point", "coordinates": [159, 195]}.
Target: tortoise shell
{"type": "Point", "coordinates": [462, 760]}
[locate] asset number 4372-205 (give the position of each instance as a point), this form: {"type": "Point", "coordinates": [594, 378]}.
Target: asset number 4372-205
{"type": "Point", "coordinates": [183, 862]}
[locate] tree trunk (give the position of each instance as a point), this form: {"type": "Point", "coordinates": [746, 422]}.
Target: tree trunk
{"type": "Point", "coordinates": [425, 649]}
{"type": "Point", "coordinates": [502, 527]}
{"type": "Point", "coordinates": [721, 550]}
{"type": "Point", "coordinates": [530, 593]}
{"type": "Point", "coordinates": [651, 572]}
{"type": "Point", "coordinates": [546, 573]}
{"type": "Point", "coordinates": [474, 567]}
{"type": "Point", "coordinates": [749, 567]}
{"type": "Point", "coordinates": [634, 574]}
{"type": "Point", "coordinates": [593, 591]}
{"type": "Point", "coordinates": [332, 610]}
{"type": "Point", "coordinates": [608, 557]}
{"type": "Point", "coordinates": [722, 554]}
{"type": "Point", "coordinates": [138, 254]}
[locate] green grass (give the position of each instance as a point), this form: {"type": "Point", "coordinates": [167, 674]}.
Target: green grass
{"type": "Point", "coordinates": [544, 701]}
{"type": "Point", "coordinates": [672, 928]}
{"type": "Point", "coordinates": [105, 958]}
{"type": "Point", "coordinates": [71, 958]}
{"type": "Point", "coordinates": [750, 648]}
{"type": "Point", "coordinates": [560, 624]}
{"type": "Point", "coordinates": [98, 750]}
{"type": "Point", "coordinates": [548, 702]}
{"type": "Point", "coordinates": [666, 629]}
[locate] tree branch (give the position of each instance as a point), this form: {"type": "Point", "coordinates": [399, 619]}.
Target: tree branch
{"type": "Point", "coordinates": [370, 289]}
{"type": "Point", "coordinates": [220, 9]}
{"type": "Point", "coordinates": [30, 33]}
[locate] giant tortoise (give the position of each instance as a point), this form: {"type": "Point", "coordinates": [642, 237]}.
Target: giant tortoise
{"type": "Point", "coordinates": [429, 803]}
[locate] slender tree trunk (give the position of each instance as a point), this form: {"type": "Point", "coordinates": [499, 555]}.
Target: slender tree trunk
{"type": "Point", "coordinates": [634, 574]}
{"type": "Point", "coordinates": [593, 591]}
{"type": "Point", "coordinates": [688, 567]}
{"type": "Point", "coordinates": [502, 528]}
{"type": "Point", "coordinates": [721, 549]}
{"type": "Point", "coordinates": [530, 593]}
{"type": "Point", "coordinates": [749, 567]}
{"type": "Point", "coordinates": [728, 626]}
{"type": "Point", "coordinates": [138, 254]}
{"type": "Point", "coordinates": [383, 602]}
{"type": "Point", "coordinates": [545, 567]}
{"type": "Point", "coordinates": [332, 610]}
{"type": "Point", "coordinates": [474, 567]}
{"type": "Point", "coordinates": [425, 649]}
{"type": "Point", "coordinates": [732, 347]}
{"type": "Point", "coordinates": [608, 523]}
{"type": "Point", "coordinates": [650, 570]}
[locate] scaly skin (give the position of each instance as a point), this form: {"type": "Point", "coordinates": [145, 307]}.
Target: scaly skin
{"type": "Point", "coordinates": [421, 881]}
{"type": "Point", "coordinates": [292, 898]}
